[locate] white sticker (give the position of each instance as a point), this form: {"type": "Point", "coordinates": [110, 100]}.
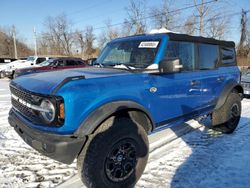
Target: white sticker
{"type": "Point", "coordinates": [149, 44]}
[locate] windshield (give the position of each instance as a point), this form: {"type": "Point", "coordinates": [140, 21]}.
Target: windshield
{"type": "Point", "coordinates": [247, 72]}
{"type": "Point", "coordinates": [132, 54]}
{"type": "Point", "coordinates": [31, 58]}
{"type": "Point", "coordinates": [46, 62]}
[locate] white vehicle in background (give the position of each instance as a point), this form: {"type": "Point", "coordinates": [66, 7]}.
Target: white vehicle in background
{"type": "Point", "coordinates": [2, 68]}
{"type": "Point", "coordinates": [19, 64]}
{"type": "Point", "coordinates": [7, 68]}
{"type": "Point", "coordinates": [3, 63]}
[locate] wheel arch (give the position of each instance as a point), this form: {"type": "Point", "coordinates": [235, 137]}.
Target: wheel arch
{"type": "Point", "coordinates": [228, 88]}
{"type": "Point", "coordinates": [119, 108]}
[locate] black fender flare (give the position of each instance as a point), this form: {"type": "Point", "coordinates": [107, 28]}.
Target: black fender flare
{"type": "Point", "coordinates": [91, 123]}
{"type": "Point", "coordinates": [229, 87]}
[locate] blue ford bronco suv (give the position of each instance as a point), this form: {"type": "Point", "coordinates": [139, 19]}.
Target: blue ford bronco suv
{"type": "Point", "coordinates": [103, 115]}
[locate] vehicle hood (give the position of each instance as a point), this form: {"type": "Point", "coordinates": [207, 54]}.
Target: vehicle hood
{"type": "Point", "coordinates": [48, 82]}
{"type": "Point", "coordinates": [3, 67]}
{"type": "Point", "coordinates": [245, 78]}
{"type": "Point", "coordinates": [23, 64]}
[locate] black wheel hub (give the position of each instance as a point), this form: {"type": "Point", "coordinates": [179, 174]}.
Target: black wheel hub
{"type": "Point", "coordinates": [235, 114]}
{"type": "Point", "coordinates": [121, 161]}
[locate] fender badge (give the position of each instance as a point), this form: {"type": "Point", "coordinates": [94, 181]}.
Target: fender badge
{"type": "Point", "coordinates": [153, 89]}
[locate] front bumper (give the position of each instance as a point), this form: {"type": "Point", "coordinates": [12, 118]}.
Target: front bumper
{"type": "Point", "coordinates": [63, 148]}
{"type": "Point", "coordinates": [8, 73]}
{"type": "Point", "coordinates": [246, 91]}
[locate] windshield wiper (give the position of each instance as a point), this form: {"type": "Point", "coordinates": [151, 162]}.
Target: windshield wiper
{"type": "Point", "coordinates": [121, 65]}
{"type": "Point", "coordinates": [100, 64]}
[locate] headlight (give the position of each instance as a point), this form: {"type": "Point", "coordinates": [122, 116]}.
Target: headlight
{"type": "Point", "coordinates": [49, 112]}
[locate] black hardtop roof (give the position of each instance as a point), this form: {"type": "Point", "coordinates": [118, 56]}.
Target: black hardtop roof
{"type": "Point", "coordinates": [199, 39]}
{"type": "Point", "coordinates": [186, 38]}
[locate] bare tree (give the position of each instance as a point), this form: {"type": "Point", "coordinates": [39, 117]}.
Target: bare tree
{"type": "Point", "coordinates": [210, 20]}
{"type": "Point", "coordinates": [59, 34]}
{"type": "Point", "coordinates": [243, 47]}
{"type": "Point", "coordinates": [108, 34]}
{"type": "Point", "coordinates": [126, 28]}
{"type": "Point", "coordinates": [203, 11]}
{"type": "Point", "coordinates": [80, 41]}
{"type": "Point", "coordinates": [189, 25]}
{"type": "Point", "coordinates": [44, 45]}
{"type": "Point", "coordinates": [7, 46]}
{"type": "Point", "coordinates": [136, 11]}
{"type": "Point", "coordinates": [89, 41]}
{"type": "Point", "coordinates": [217, 27]}
{"type": "Point", "coordinates": [162, 17]}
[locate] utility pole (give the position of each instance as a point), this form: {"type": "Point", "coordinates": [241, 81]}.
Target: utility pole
{"type": "Point", "coordinates": [201, 13]}
{"type": "Point", "coordinates": [14, 40]}
{"type": "Point", "coordinates": [34, 30]}
{"type": "Point", "coordinates": [243, 36]}
{"type": "Point", "coordinates": [243, 23]}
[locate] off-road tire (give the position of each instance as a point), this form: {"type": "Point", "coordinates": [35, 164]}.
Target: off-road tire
{"type": "Point", "coordinates": [1, 74]}
{"type": "Point", "coordinates": [93, 163]}
{"type": "Point", "coordinates": [14, 76]}
{"type": "Point", "coordinates": [226, 118]}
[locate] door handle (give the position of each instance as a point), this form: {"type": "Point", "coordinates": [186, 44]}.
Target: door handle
{"type": "Point", "coordinates": [194, 83]}
{"type": "Point", "coordinates": [221, 78]}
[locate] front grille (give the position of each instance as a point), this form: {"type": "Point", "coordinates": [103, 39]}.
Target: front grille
{"type": "Point", "coordinates": [28, 113]}
{"type": "Point", "coordinates": [21, 94]}
{"type": "Point", "coordinates": [245, 84]}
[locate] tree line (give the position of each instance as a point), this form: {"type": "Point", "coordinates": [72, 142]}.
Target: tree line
{"type": "Point", "coordinates": [200, 17]}
{"type": "Point", "coordinates": [7, 45]}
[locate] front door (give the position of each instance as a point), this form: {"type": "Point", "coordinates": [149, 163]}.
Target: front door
{"type": "Point", "coordinates": [177, 95]}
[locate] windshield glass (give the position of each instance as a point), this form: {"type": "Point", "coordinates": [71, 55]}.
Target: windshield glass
{"type": "Point", "coordinates": [133, 53]}
{"type": "Point", "coordinates": [31, 58]}
{"type": "Point", "coordinates": [247, 72]}
{"type": "Point", "coordinates": [46, 62]}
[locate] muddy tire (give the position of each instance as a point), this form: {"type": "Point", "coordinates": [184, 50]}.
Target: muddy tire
{"type": "Point", "coordinates": [226, 118]}
{"type": "Point", "coordinates": [115, 155]}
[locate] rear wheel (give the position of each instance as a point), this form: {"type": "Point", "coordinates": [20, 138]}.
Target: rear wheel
{"type": "Point", "coordinates": [14, 75]}
{"type": "Point", "coordinates": [1, 74]}
{"type": "Point", "coordinates": [226, 118]}
{"type": "Point", "coordinates": [115, 156]}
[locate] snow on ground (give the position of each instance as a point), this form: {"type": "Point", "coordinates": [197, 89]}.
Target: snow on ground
{"type": "Point", "coordinates": [20, 165]}
{"type": "Point", "coordinates": [201, 158]}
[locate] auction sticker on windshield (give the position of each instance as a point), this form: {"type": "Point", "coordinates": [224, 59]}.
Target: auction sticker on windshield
{"type": "Point", "coordinates": [149, 44]}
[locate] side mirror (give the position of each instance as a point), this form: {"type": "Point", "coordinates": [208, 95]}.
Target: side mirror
{"type": "Point", "coordinates": [170, 65]}
{"type": "Point", "coordinates": [32, 64]}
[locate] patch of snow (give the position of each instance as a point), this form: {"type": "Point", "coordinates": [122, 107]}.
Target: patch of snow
{"type": "Point", "coordinates": [200, 158]}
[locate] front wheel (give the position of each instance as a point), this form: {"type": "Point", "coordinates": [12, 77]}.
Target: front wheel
{"type": "Point", "coordinates": [115, 156]}
{"type": "Point", "coordinates": [1, 74]}
{"type": "Point", "coordinates": [226, 118]}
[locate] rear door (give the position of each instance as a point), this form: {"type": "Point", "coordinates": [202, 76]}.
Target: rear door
{"type": "Point", "coordinates": [212, 78]}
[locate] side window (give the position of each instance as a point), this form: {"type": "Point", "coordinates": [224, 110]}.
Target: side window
{"type": "Point", "coordinates": [185, 51]}
{"type": "Point", "coordinates": [80, 62]}
{"type": "Point", "coordinates": [59, 63]}
{"type": "Point", "coordinates": [71, 63]}
{"type": "Point", "coordinates": [227, 55]}
{"type": "Point", "coordinates": [208, 56]}
{"type": "Point", "coordinates": [40, 60]}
